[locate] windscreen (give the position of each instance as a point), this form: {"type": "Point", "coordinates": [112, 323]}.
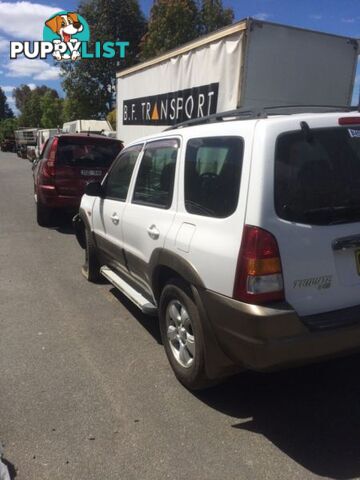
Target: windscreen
{"type": "Point", "coordinates": [317, 176]}
{"type": "Point", "coordinates": [87, 151]}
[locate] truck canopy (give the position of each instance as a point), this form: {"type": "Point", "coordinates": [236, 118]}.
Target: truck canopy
{"type": "Point", "coordinates": [84, 126]}
{"type": "Point", "coordinates": [250, 64]}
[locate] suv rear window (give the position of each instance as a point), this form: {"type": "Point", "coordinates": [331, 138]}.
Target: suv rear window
{"type": "Point", "coordinates": [317, 179]}
{"type": "Point", "coordinates": [212, 175]}
{"type": "Point", "coordinates": [87, 151]}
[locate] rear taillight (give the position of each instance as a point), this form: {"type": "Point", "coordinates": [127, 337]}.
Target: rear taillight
{"type": "Point", "coordinates": [349, 120]}
{"type": "Point", "coordinates": [49, 164]}
{"type": "Point", "coordinates": [258, 274]}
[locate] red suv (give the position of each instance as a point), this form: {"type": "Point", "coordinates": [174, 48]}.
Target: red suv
{"type": "Point", "coordinates": [68, 163]}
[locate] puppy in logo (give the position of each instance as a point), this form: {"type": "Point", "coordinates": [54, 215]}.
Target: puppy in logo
{"type": "Point", "coordinates": [65, 25]}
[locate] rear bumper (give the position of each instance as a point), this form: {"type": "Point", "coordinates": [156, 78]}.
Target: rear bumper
{"type": "Point", "coordinates": [266, 338]}
{"type": "Point", "coordinates": [49, 196]}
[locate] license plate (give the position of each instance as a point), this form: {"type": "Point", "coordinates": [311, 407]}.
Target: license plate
{"type": "Point", "coordinates": [91, 173]}
{"type": "Point", "coordinates": [357, 258]}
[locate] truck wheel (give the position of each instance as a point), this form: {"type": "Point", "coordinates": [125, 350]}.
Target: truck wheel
{"type": "Point", "coordinates": [182, 335]}
{"type": "Point", "coordinates": [43, 215]}
{"type": "Point", "coordinates": [91, 267]}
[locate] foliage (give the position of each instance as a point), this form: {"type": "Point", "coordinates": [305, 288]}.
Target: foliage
{"type": "Point", "coordinates": [21, 95]}
{"type": "Point", "coordinates": [73, 109]}
{"type": "Point", "coordinates": [90, 83]}
{"type": "Point", "coordinates": [111, 118]}
{"type": "Point", "coordinates": [214, 16]}
{"type": "Point", "coordinates": [31, 106]}
{"type": "Point", "coordinates": [175, 22]}
{"type": "Point", "coordinates": [7, 128]}
{"type": "Point", "coordinates": [172, 23]}
{"type": "Point", "coordinates": [52, 111]}
{"type": "Point", "coordinates": [5, 110]}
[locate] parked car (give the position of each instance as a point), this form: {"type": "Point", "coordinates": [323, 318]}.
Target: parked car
{"type": "Point", "coordinates": [68, 163]}
{"type": "Point", "coordinates": [242, 233]}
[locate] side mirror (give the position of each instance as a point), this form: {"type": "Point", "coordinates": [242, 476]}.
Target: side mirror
{"type": "Point", "coordinates": [94, 189]}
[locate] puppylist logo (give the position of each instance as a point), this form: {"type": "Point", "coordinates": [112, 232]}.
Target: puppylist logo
{"type": "Point", "coordinates": [66, 36]}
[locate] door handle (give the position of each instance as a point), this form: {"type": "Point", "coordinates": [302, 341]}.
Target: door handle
{"type": "Point", "coordinates": [346, 242]}
{"type": "Point", "coordinates": [153, 232]}
{"type": "Point", "coordinates": [115, 219]}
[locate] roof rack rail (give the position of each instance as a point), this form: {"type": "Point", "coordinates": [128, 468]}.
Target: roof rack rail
{"type": "Point", "coordinates": [250, 114]}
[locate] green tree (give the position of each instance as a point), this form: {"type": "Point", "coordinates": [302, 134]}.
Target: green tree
{"type": "Point", "coordinates": [172, 23]}
{"type": "Point", "coordinates": [73, 109]}
{"type": "Point", "coordinates": [90, 83]}
{"type": "Point", "coordinates": [111, 118]}
{"type": "Point", "coordinates": [175, 22]}
{"type": "Point", "coordinates": [7, 128]}
{"type": "Point", "coordinates": [21, 94]}
{"type": "Point", "coordinates": [5, 110]}
{"type": "Point", "coordinates": [214, 16]}
{"type": "Point", "coordinates": [52, 111]}
{"type": "Point", "coordinates": [32, 107]}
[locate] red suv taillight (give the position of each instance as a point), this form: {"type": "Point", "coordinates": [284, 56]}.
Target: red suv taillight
{"type": "Point", "coordinates": [258, 274]}
{"type": "Point", "coordinates": [48, 170]}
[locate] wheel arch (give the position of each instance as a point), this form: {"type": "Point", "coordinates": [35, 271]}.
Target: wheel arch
{"type": "Point", "coordinates": [165, 264]}
{"type": "Point", "coordinates": [80, 223]}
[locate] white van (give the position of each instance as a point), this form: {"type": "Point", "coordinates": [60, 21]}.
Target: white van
{"type": "Point", "coordinates": [41, 138]}
{"type": "Point", "coordinates": [86, 126]}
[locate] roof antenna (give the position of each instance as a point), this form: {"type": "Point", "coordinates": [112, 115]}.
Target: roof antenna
{"type": "Point", "coordinates": [307, 132]}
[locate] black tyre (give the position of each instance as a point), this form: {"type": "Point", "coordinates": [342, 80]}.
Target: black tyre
{"type": "Point", "coordinates": [91, 267]}
{"type": "Point", "coordinates": [44, 215]}
{"type": "Point", "coordinates": [182, 335]}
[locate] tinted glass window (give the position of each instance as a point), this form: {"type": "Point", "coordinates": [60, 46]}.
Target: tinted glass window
{"type": "Point", "coordinates": [317, 179]}
{"type": "Point", "coordinates": [155, 180]}
{"type": "Point", "coordinates": [47, 147]}
{"type": "Point", "coordinates": [212, 175]}
{"type": "Point", "coordinates": [87, 151]}
{"type": "Point", "coordinates": [118, 179]}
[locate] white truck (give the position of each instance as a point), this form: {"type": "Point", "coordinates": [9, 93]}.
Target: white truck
{"type": "Point", "coordinates": [250, 64]}
{"type": "Point", "coordinates": [86, 126]}
{"type": "Point", "coordinates": [24, 138]}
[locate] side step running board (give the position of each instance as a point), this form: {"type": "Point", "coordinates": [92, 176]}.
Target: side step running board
{"type": "Point", "coordinates": [141, 302]}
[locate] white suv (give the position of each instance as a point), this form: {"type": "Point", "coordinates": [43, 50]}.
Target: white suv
{"type": "Point", "coordinates": [242, 232]}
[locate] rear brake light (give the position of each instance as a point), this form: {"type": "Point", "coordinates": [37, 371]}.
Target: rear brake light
{"type": "Point", "coordinates": [49, 165]}
{"type": "Point", "coordinates": [349, 121]}
{"type": "Point", "coordinates": [258, 274]}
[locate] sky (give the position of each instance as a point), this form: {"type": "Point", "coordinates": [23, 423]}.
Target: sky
{"type": "Point", "coordinates": [24, 20]}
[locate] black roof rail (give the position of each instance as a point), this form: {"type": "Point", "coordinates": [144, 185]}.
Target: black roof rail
{"type": "Point", "coordinates": [237, 114]}
{"type": "Point", "coordinates": [249, 114]}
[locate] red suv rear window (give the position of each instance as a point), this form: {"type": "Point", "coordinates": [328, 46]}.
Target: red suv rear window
{"type": "Point", "coordinates": [87, 151]}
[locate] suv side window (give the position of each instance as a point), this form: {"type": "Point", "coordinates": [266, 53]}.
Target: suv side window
{"type": "Point", "coordinates": [46, 148]}
{"type": "Point", "coordinates": [212, 175]}
{"type": "Point", "coordinates": [155, 181]}
{"type": "Point", "coordinates": [118, 179]}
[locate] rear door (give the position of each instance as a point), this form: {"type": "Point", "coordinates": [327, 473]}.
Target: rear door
{"type": "Point", "coordinates": [150, 213]}
{"type": "Point", "coordinates": [108, 211]}
{"type": "Point", "coordinates": [311, 202]}
{"type": "Point", "coordinates": [82, 159]}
